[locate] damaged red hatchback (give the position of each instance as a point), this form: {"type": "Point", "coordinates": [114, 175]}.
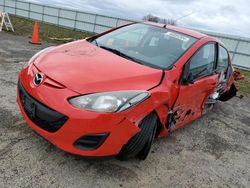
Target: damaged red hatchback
{"type": "Point", "coordinates": [113, 93]}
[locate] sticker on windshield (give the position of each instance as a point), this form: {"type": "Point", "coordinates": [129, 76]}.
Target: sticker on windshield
{"type": "Point", "coordinates": [177, 36]}
{"type": "Point", "coordinates": [110, 42]}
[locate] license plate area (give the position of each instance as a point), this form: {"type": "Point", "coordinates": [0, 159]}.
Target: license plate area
{"type": "Point", "coordinates": [28, 105]}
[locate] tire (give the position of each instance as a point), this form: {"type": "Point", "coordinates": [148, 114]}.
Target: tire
{"type": "Point", "coordinates": [142, 155]}
{"type": "Point", "coordinates": [140, 144]}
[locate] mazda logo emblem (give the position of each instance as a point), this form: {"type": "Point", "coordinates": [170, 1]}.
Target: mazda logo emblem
{"type": "Point", "coordinates": [38, 79]}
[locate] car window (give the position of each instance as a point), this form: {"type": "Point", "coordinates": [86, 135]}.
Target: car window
{"type": "Point", "coordinates": [202, 63]}
{"type": "Point", "coordinates": [222, 64]}
{"type": "Point", "coordinates": [153, 46]}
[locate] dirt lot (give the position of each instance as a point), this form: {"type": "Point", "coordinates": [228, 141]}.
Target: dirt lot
{"type": "Point", "coordinates": [213, 151]}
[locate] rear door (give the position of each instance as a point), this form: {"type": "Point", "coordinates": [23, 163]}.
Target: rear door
{"type": "Point", "coordinates": [224, 69]}
{"type": "Point", "coordinates": [197, 83]}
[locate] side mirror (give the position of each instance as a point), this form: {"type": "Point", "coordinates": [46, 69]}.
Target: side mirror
{"type": "Point", "coordinates": [190, 78]}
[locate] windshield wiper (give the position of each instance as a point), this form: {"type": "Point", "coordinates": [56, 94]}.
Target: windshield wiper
{"type": "Point", "coordinates": [96, 43]}
{"type": "Point", "coordinates": [117, 52]}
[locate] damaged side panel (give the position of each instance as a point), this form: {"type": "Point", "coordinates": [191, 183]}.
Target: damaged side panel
{"type": "Point", "coordinates": [232, 90]}
{"type": "Point", "coordinates": [229, 94]}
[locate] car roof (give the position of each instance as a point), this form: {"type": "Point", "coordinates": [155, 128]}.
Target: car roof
{"type": "Point", "coordinates": [189, 32]}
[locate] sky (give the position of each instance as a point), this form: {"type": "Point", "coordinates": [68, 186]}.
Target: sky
{"type": "Point", "coordinates": [222, 16]}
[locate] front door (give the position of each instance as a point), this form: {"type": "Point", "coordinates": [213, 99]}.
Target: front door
{"type": "Point", "coordinates": [197, 83]}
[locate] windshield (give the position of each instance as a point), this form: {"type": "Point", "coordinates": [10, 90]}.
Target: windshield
{"type": "Point", "coordinates": [145, 44]}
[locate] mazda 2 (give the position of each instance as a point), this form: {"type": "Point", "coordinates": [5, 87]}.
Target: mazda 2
{"type": "Point", "coordinates": [114, 93]}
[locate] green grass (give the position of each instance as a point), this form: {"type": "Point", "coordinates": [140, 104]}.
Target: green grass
{"type": "Point", "coordinates": [244, 85]}
{"type": "Point", "coordinates": [24, 27]}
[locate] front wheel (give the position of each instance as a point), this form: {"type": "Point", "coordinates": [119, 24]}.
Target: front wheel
{"type": "Point", "coordinates": [140, 144]}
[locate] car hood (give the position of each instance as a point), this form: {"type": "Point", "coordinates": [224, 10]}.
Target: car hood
{"type": "Point", "coordinates": [86, 68]}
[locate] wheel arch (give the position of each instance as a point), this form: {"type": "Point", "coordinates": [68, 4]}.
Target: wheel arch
{"type": "Point", "coordinates": [161, 113]}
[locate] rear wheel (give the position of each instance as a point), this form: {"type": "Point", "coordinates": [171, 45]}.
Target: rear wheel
{"type": "Point", "coordinates": [141, 143]}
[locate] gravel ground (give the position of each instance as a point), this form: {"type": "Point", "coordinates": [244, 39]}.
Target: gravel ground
{"type": "Point", "coordinates": [213, 151]}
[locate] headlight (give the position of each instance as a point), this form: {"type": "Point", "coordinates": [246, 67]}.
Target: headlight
{"type": "Point", "coordinates": [36, 56]}
{"type": "Point", "coordinates": [110, 101]}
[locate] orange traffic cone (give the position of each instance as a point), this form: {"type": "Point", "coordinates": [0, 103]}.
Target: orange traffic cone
{"type": "Point", "coordinates": [35, 36]}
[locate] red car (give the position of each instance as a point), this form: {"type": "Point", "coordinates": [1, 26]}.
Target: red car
{"type": "Point", "coordinates": [113, 93]}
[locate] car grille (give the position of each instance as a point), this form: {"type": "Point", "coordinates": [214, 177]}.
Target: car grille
{"type": "Point", "coordinates": [41, 115]}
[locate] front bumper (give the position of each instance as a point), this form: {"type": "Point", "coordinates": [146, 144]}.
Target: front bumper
{"type": "Point", "coordinates": [76, 124]}
{"type": "Point", "coordinates": [41, 115]}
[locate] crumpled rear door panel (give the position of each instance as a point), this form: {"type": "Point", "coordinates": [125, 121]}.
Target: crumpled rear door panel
{"type": "Point", "coordinates": [231, 90]}
{"type": "Point", "coordinates": [229, 94]}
